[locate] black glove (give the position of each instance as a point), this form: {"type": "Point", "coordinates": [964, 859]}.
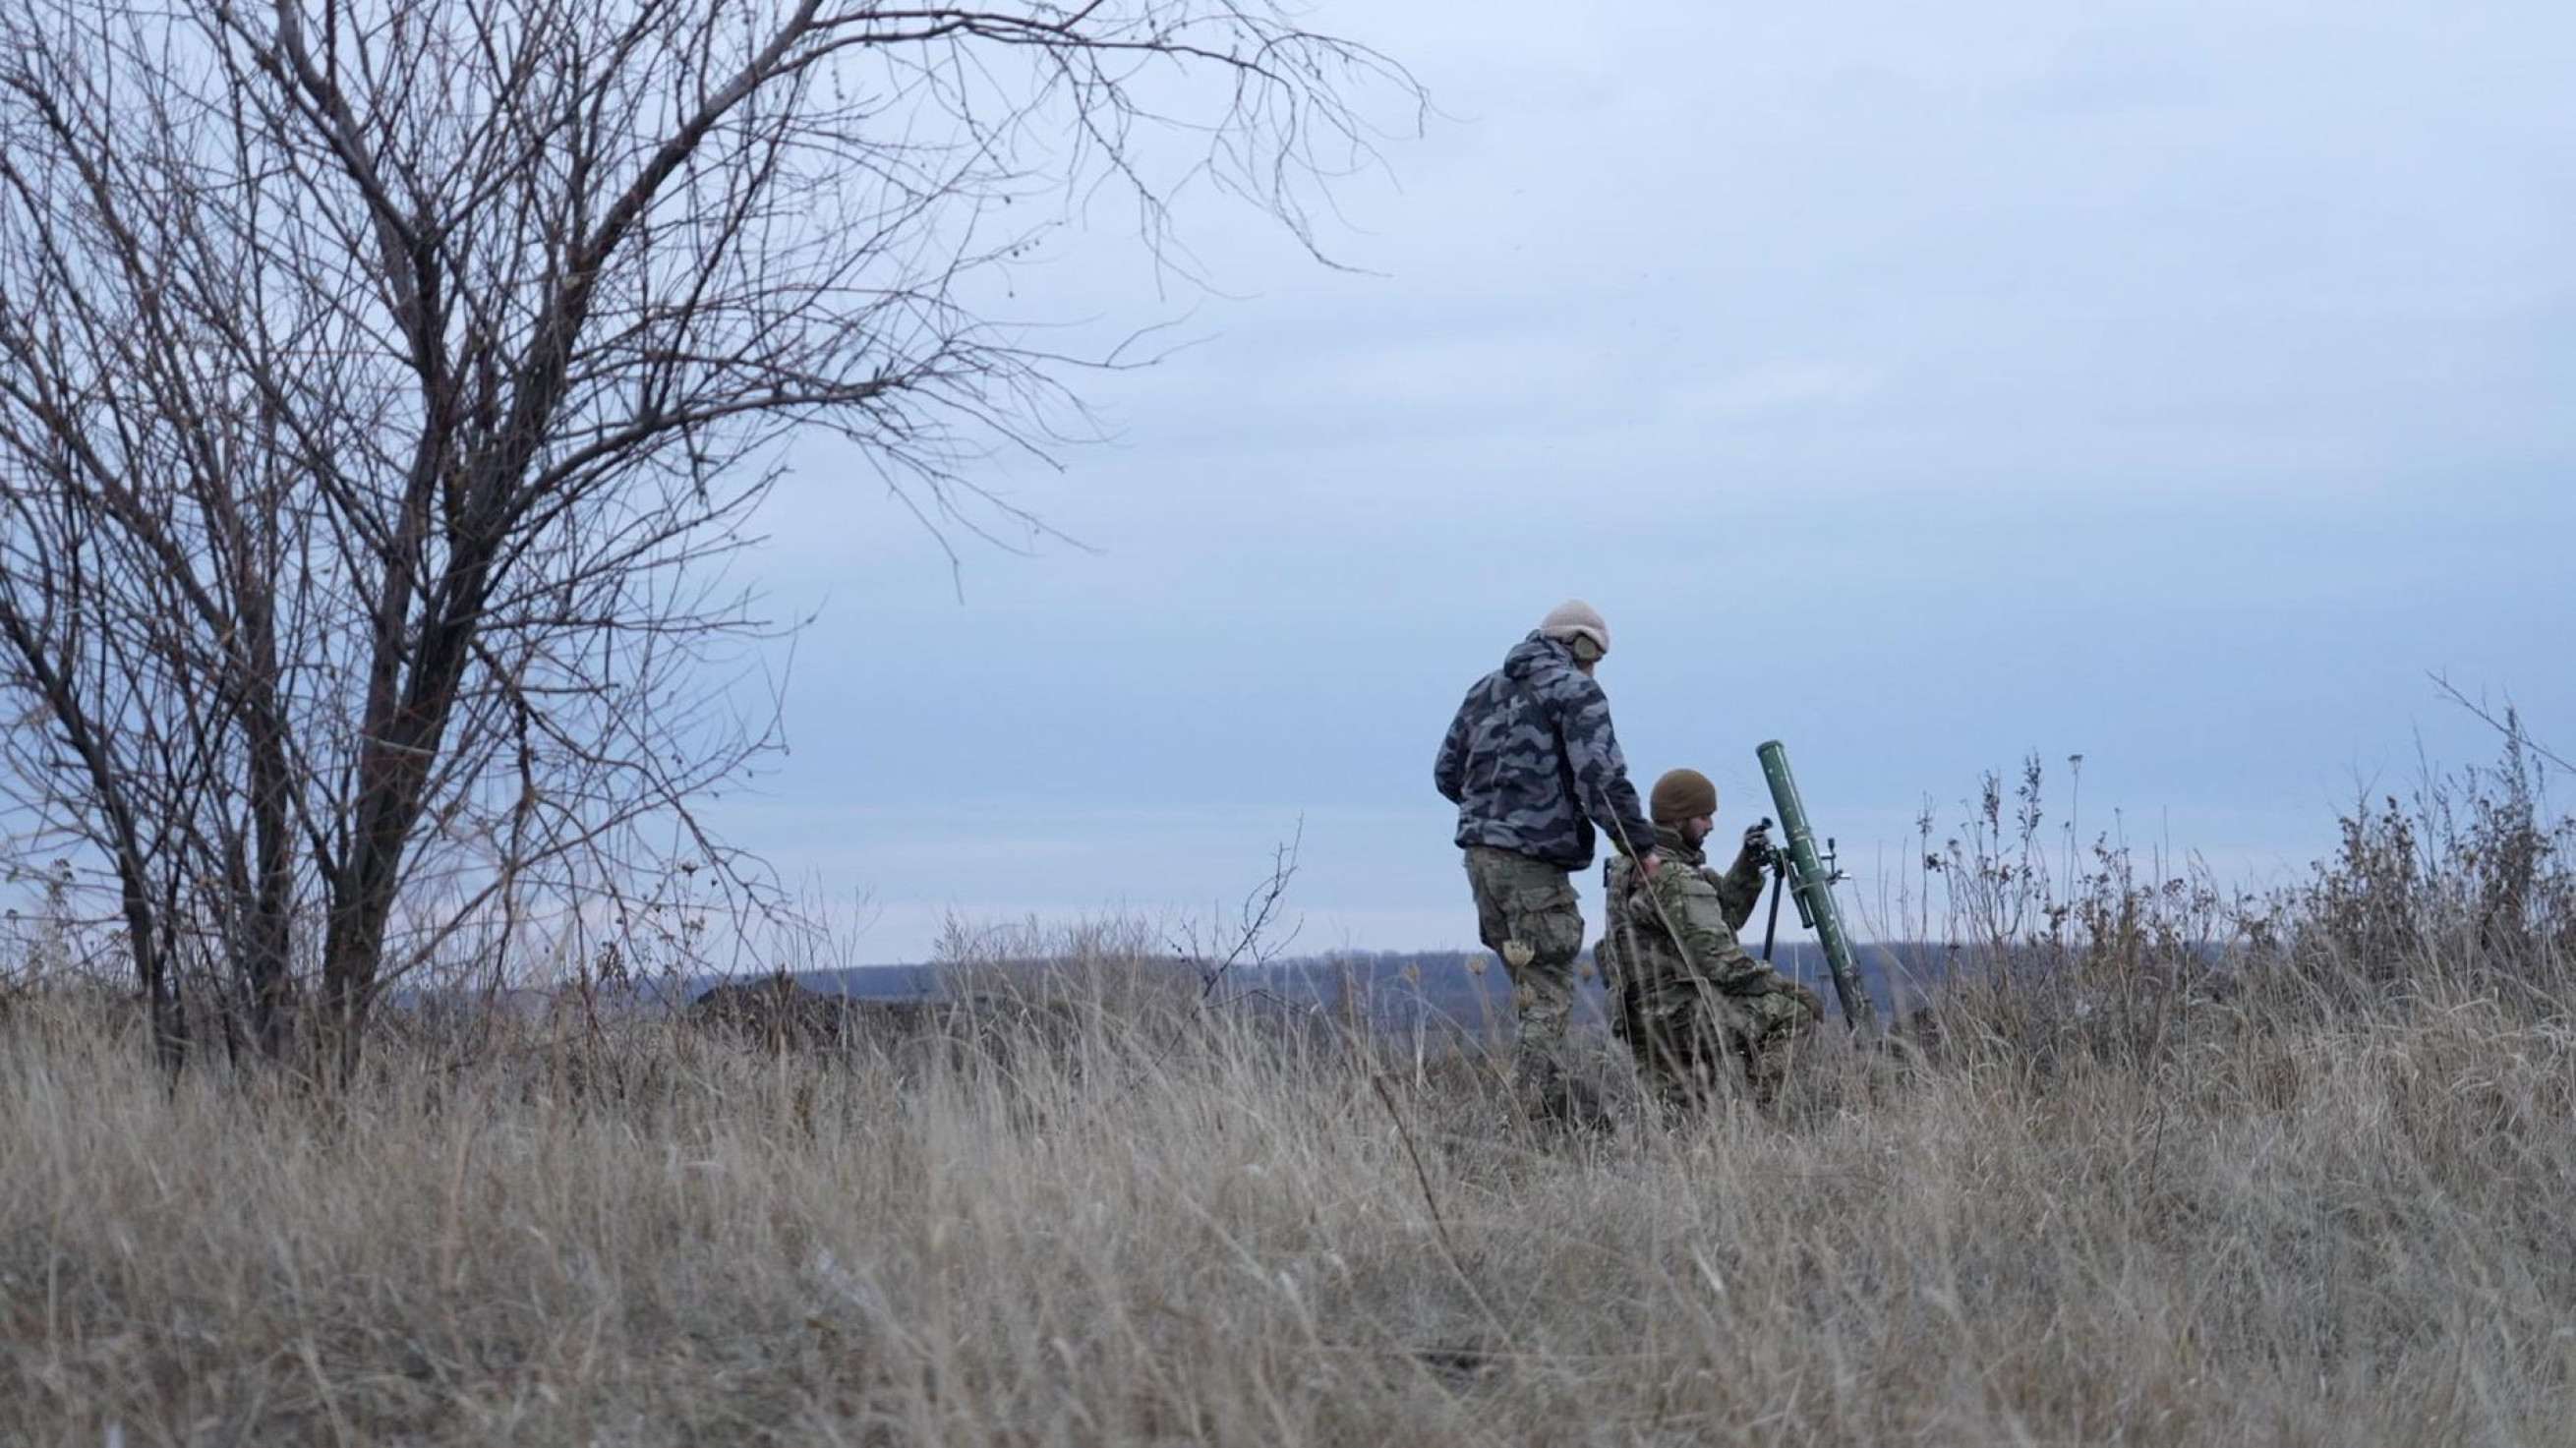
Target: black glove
{"type": "Point", "coordinates": [1757, 845]}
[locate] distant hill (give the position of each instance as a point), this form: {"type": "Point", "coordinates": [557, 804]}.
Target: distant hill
{"type": "Point", "coordinates": [1409, 990]}
{"type": "Point", "coordinates": [1401, 990]}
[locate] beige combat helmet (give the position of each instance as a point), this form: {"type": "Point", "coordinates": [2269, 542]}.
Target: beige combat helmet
{"type": "Point", "coordinates": [1575, 619]}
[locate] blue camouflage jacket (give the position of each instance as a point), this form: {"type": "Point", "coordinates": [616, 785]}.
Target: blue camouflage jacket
{"type": "Point", "coordinates": [1532, 764]}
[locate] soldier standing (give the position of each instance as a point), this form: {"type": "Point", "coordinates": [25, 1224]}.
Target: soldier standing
{"type": "Point", "coordinates": [1683, 993]}
{"type": "Point", "coordinates": [1532, 764]}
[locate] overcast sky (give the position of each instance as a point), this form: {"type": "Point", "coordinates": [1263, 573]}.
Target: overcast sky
{"type": "Point", "coordinates": [2172, 384]}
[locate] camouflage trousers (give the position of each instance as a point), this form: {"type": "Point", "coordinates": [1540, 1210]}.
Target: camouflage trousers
{"type": "Point", "coordinates": [1690, 1038]}
{"type": "Point", "coordinates": [1526, 913]}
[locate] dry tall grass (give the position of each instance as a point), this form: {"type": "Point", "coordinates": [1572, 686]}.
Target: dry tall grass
{"type": "Point", "coordinates": [2117, 1205]}
{"type": "Point", "coordinates": [2351, 1231]}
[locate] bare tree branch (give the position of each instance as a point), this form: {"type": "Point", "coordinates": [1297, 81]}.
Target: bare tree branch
{"type": "Point", "coordinates": [384, 385]}
{"type": "Point", "coordinates": [2510, 726]}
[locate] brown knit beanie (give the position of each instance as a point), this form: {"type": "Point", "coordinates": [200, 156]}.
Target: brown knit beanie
{"type": "Point", "coordinates": [1683, 794]}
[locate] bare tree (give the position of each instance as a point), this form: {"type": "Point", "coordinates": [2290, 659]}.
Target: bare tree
{"type": "Point", "coordinates": [383, 383]}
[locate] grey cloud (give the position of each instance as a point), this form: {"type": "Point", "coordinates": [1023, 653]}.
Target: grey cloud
{"type": "Point", "coordinates": [2169, 384]}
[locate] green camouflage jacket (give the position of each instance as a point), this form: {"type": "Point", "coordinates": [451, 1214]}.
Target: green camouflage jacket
{"type": "Point", "coordinates": [1705, 909]}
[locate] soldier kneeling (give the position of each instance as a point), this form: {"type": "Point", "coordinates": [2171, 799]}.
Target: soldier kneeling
{"type": "Point", "coordinates": [1684, 994]}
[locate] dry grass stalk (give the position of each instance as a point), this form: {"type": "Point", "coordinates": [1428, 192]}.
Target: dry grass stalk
{"type": "Point", "coordinates": [2305, 1183]}
{"type": "Point", "coordinates": [2338, 1227]}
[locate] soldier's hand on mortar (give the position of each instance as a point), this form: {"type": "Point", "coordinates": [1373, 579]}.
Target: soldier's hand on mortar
{"type": "Point", "coordinates": [1757, 843]}
{"type": "Point", "coordinates": [1806, 997]}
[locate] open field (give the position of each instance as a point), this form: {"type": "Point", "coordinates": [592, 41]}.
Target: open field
{"type": "Point", "coordinates": [533, 533]}
{"type": "Point", "coordinates": [2159, 1167]}
{"type": "Point", "coordinates": [2279, 1220]}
